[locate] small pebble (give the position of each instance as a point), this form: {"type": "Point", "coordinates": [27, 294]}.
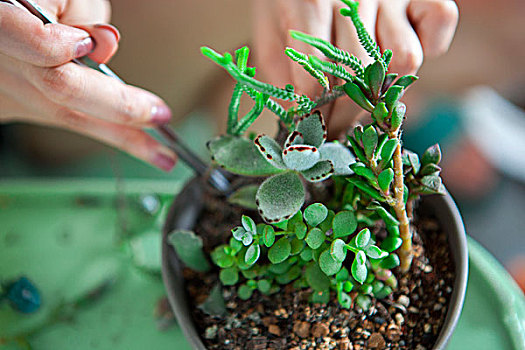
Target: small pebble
{"type": "Point", "coordinates": [399, 319]}
{"type": "Point", "coordinates": [320, 330]}
{"type": "Point", "coordinates": [274, 329]}
{"type": "Point", "coordinates": [301, 329]}
{"type": "Point", "coordinates": [427, 328]}
{"type": "Point", "coordinates": [211, 332]}
{"type": "Point", "coordinates": [376, 341]}
{"type": "Point", "coordinates": [404, 300]}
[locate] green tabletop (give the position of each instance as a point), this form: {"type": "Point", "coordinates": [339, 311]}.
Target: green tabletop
{"type": "Point", "coordinates": [72, 238]}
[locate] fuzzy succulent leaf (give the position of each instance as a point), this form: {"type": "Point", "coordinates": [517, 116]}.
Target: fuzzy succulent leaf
{"type": "Point", "coordinates": [315, 213]}
{"type": "Point", "coordinates": [280, 197]}
{"type": "Point", "coordinates": [315, 238]}
{"type": "Point", "coordinates": [362, 238]}
{"type": "Point", "coordinates": [374, 77]}
{"type": "Point", "coordinates": [270, 150]}
{"type": "Point", "coordinates": [359, 269]}
{"type": "Point", "coordinates": [280, 251]}
{"type": "Point", "coordinates": [406, 80]}
{"type": "Point", "coordinates": [380, 112]}
{"type": "Point", "coordinates": [432, 182]}
{"type": "Point", "coordinates": [313, 129]}
{"type": "Point", "coordinates": [244, 197]}
{"type": "Point", "coordinates": [238, 233]}
{"type": "Point", "coordinates": [320, 171]}
{"type": "Point", "coordinates": [398, 115]}
{"type": "Point", "coordinates": [301, 157]}
{"type": "Point", "coordinates": [355, 93]}
{"type": "Point", "coordinates": [385, 178]}
{"type": "Point", "coordinates": [295, 138]}
{"type": "Point", "coordinates": [252, 254]}
{"type": "Point", "coordinates": [370, 139]}
{"type": "Point", "coordinates": [432, 155]}
{"type": "Point", "coordinates": [344, 223]}
{"type": "Point", "coordinates": [239, 155]}
{"type": "Point", "coordinates": [413, 160]}
{"type": "Point", "coordinates": [430, 169]}
{"type": "Point", "coordinates": [388, 151]}
{"type": "Point", "coordinates": [338, 250]}
{"type": "Point", "coordinates": [393, 94]}
{"type": "Point", "coordinates": [339, 155]}
{"type": "Point", "coordinates": [189, 249]}
{"type": "Point", "coordinates": [328, 264]}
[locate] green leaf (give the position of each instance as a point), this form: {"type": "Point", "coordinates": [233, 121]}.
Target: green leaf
{"type": "Point", "coordinates": [374, 77]}
{"type": "Point", "coordinates": [430, 169]}
{"type": "Point", "coordinates": [315, 238]}
{"type": "Point", "coordinates": [220, 258]}
{"type": "Point", "coordinates": [280, 251]}
{"type": "Point", "coordinates": [244, 197]}
{"type": "Point", "coordinates": [374, 252]}
{"type": "Point", "coordinates": [297, 246]}
{"type": "Point", "coordinates": [342, 275]}
{"type": "Point", "coordinates": [338, 250]}
{"type": "Point", "coordinates": [362, 238]}
{"type": "Point", "coordinates": [229, 276]}
{"type": "Point", "coordinates": [312, 128]}
{"type": "Point", "coordinates": [339, 155]}
{"type": "Point", "coordinates": [189, 249]}
{"type": "Point", "coordinates": [391, 243]}
{"type": "Point", "coordinates": [359, 269]}
{"type": "Point", "coordinates": [384, 292]}
{"type": "Point", "coordinates": [363, 301]}
{"type": "Point", "coordinates": [413, 160]}
{"type": "Point", "coordinates": [280, 196]}
{"type": "Point", "coordinates": [315, 213]}
{"type": "Point", "coordinates": [328, 264]}
{"type": "Point", "coordinates": [301, 157]}
{"type": "Point", "coordinates": [319, 172]}
{"type": "Point", "coordinates": [380, 112]}
{"type": "Point", "coordinates": [344, 223]}
{"type": "Point", "coordinates": [248, 224]}
{"type": "Point", "coordinates": [385, 178]}
{"type": "Point", "coordinates": [270, 151]}
{"type": "Point", "coordinates": [264, 286]}
{"type": "Point", "coordinates": [355, 93]}
{"type": "Point", "coordinates": [393, 94]}
{"type": "Point", "coordinates": [240, 156]}
{"type": "Point", "coordinates": [370, 139]}
{"type": "Point", "coordinates": [344, 300]}
{"type": "Point", "coordinates": [362, 170]}
{"type": "Point", "coordinates": [406, 80]}
{"type": "Point", "coordinates": [388, 151]}
{"type": "Point", "coordinates": [280, 268]}
{"type": "Point", "coordinates": [358, 133]}
{"type": "Point", "coordinates": [398, 115]}
{"type": "Point", "coordinates": [327, 223]}
{"type": "Point", "coordinates": [244, 292]}
{"type": "Point", "coordinates": [356, 148]}
{"type": "Point", "coordinates": [387, 217]}
{"type": "Point", "coordinates": [306, 254]}
{"type": "Point", "coordinates": [432, 182]}
{"type": "Point", "coordinates": [366, 188]}
{"type": "Point", "coordinates": [432, 155]}
{"type": "Point", "coordinates": [235, 245]}
{"type": "Point", "coordinates": [252, 254]}
{"type": "Point", "coordinates": [214, 304]}
{"type": "Point", "coordinates": [300, 230]}
{"type": "Point", "coordinates": [268, 236]}
{"type": "Point", "coordinates": [390, 262]}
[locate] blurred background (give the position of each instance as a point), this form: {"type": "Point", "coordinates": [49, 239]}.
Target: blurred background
{"type": "Point", "coordinates": [471, 101]}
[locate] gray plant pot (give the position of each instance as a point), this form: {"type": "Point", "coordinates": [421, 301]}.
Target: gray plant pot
{"type": "Point", "coordinates": [185, 211]}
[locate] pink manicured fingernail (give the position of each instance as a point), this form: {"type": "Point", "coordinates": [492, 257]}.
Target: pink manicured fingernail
{"type": "Point", "coordinates": [164, 162]}
{"type": "Point", "coordinates": [84, 47]}
{"type": "Point", "coordinates": [110, 28]}
{"type": "Point", "coordinates": [160, 114]}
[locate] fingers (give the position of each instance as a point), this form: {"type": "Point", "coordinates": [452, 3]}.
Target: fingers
{"type": "Point", "coordinates": [395, 32]}
{"type": "Point", "coordinates": [93, 93]}
{"type": "Point", "coordinates": [106, 38]}
{"type": "Point", "coordinates": [25, 37]}
{"type": "Point", "coordinates": [435, 22]}
{"type": "Point", "coordinates": [86, 12]}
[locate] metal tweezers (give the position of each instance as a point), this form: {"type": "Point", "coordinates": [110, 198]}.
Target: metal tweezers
{"type": "Point", "coordinates": [172, 141]}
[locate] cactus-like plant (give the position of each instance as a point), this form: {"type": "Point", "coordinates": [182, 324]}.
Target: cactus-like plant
{"type": "Point", "coordinates": [326, 246]}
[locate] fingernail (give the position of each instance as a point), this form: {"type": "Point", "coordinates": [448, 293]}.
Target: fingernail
{"type": "Point", "coordinates": [160, 114]}
{"type": "Point", "coordinates": [164, 161]}
{"type": "Point", "coordinates": [84, 47]}
{"type": "Point", "coordinates": [110, 28]}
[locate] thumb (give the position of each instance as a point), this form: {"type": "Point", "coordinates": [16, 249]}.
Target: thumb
{"type": "Point", "coordinates": [106, 38]}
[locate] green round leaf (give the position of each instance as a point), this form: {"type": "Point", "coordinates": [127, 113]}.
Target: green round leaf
{"type": "Point", "coordinates": [315, 213]}
{"type": "Point", "coordinates": [342, 275]}
{"type": "Point", "coordinates": [315, 238]}
{"type": "Point", "coordinates": [328, 264]}
{"type": "Point", "coordinates": [280, 251]}
{"type": "Point", "coordinates": [244, 292]}
{"type": "Point", "coordinates": [363, 301]}
{"type": "Point", "coordinates": [374, 252]}
{"type": "Point", "coordinates": [391, 243]}
{"type": "Point", "coordinates": [264, 286]}
{"type": "Point", "coordinates": [229, 276]}
{"type": "Point", "coordinates": [344, 300]}
{"type": "Point", "coordinates": [344, 223]}
{"type": "Point", "coordinates": [362, 238]}
{"type": "Point", "coordinates": [306, 254]}
{"type": "Point", "coordinates": [385, 179]}
{"type": "Point", "coordinates": [297, 246]}
{"type": "Point", "coordinates": [359, 269]}
{"type": "Point", "coordinates": [247, 239]}
{"type": "Point", "coordinates": [238, 233]}
{"type": "Point", "coordinates": [220, 258]}
{"type": "Point", "coordinates": [390, 262]}
{"type": "Point", "coordinates": [300, 230]}
{"type": "Point", "coordinates": [248, 224]}
{"type": "Point", "coordinates": [316, 278]}
{"type": "Point", "coordinates": [338, 250]}
{"type": "Point", "coordinates": [252, 254]}
{"type": "Point", "coordinates": [348, 286]}
{"type": "Point", "coordinates": [268, 236]}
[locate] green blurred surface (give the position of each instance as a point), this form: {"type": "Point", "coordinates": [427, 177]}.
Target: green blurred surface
{"type": "Point", "coordinates": [71, 237]}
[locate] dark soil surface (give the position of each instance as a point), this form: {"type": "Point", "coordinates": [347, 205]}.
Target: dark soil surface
{"type": "Point", "coordinates": [411, 318]}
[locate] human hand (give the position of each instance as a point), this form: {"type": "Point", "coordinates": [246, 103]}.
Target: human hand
{"type": "Point", "coordinates": [412, 29]}
{"type": "Point", "coordinates": [39, 84]}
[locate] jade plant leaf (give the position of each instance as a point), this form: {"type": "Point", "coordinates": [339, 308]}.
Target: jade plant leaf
{"type": "Point", "coordinates": [328, 264]}
{"type": "Point", "coordinates": [312, 128]}
{"type": "Point", "coordinates": [319, 172]}
{"type": "Point", "coordinates": [316, 278]}
{"type": "Point", "coordinates": [270, 150]}
{"type": "Point", "coordinates": [301, 157]}
{"type": "Point", "coordinates": [239, 155]}
{"type": "Point", "coordinates": [244, 197]}
{"type": "Point", "coordinates": [214, 304]}
{"type": "Point", "coordinates": [385, 179]}
{"type": "Point", "coordinates": [355, 93]}
{"type": "Point", "coordinates": [315, 213]}
{"type": "Point", "coordinates": [280, 197]}
{"type": "Point", "coordinates": [393, 94]}
{"type": "Point", "coordinates": [380, 112]}
{"type": "Point", "coordinates": [388, 150]}
{"type": "Point", "coordinates": [280, 251]}
{"type": "Point", "coordinates": [189, 249]}
{"type": "Point", "coordinates": [359, 269]}
{"type": "Point", "coordinates": [339, 155]}
{"type": "Point", "coordinates": [315, 238]}
{"type": "Point", "coordinates": [390, 262]}
{"type": "Point", "coordinates": [391, 243]}
{"type": "Point", "coordinates": [344, 223]}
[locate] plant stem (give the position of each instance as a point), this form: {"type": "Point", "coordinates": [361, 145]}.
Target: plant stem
{"type": "Point", "coordinates": [405, 252]}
